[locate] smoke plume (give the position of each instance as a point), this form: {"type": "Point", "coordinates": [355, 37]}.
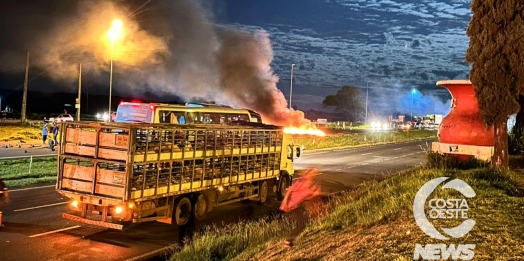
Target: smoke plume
{"type": "Point", "coordinates": [168, 48]}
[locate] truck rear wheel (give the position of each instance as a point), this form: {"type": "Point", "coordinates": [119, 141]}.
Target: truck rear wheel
{"type": "Point", "coordinates": [263, 190]}
{"type": "Point", "coordinates": [182, 212]}
{"type": "Point", "coordinates": [282, 186]}
{"type": "Point", "coordinates": [200, 207]}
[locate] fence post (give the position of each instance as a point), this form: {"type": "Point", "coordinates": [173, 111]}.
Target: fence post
{"type": "Point", "coordinates": [30, 164]}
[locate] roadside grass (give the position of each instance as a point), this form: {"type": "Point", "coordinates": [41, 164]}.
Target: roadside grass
{"type": "Point", "coordinates": [346, 140]}
{"type": "Point", "coordinates": [17, 173]}
{"type": "Point", "coordinates": [375, 222]}
{"type": "Point", "coordinates": [17, 132]}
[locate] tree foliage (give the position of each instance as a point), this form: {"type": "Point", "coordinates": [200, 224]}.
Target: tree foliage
{"type": "Point", "coordinates": [495, 50]}
{"type": "Point", "coordinates": [346, 100]}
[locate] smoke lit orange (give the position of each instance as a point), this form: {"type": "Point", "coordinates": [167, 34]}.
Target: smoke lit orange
{"type": "Point", "coordinates": [303, 130]}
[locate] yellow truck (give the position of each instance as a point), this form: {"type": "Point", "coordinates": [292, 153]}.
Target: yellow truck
{"type": "Point", "coordinates": [118, 173]}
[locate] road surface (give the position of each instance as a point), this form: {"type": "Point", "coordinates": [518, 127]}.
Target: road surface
{"type": "Point", "coordinates": [35, 230]}
{"type": "Point", "coordinates": [15, 153]}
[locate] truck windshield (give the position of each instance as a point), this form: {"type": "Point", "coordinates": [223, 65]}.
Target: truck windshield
{"type": "Point", "coordinates": [134, 112]}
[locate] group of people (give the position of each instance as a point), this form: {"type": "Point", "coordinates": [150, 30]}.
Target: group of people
{"type": "Point", "coordinates": [45, 132]}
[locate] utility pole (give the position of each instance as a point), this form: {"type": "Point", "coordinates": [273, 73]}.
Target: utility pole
{"type": "Point", "coordinates": [291, 86]}
{"type": "Point", "coordinates": [77, 105]}
{"type": "Point", "coordinates": [24, 97]}
{"type": "Point", "coordinates": [367, 92]}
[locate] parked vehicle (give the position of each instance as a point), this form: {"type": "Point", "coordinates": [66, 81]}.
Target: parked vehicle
{"type": "Point", "coordinates": [122, 172]}
{"type": "Point", "coordinates": [61, 118]}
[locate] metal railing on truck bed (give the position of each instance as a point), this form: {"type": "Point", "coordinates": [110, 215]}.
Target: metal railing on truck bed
{"type": "Point", "coordinates": [122, 162]}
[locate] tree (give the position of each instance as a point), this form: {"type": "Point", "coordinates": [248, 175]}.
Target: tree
{"type": "Point", "coordinates": [495, 50]}
{"type": "Point", "coordinates": [347, 101]}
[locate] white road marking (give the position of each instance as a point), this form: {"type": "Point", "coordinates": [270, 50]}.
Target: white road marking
{"type": "Point", "coordinates": [320, 152]}
{"type": "Point", "coordinates": [397, 149]}
{"type": "Point", "coordinates": [363, 164]}
{"type": "Point", "coordinates": [43, 206]}
{"type": "Point", "coordinates": [350, 167]}
{"type": "Point", "coordinates": [55, 231]}
{"type": "Point", "coordinates": [13, 190]}
{"type": "Point", "coordinates": [366, 153]}
{"type": "Point", "coordinates": [338, 169]}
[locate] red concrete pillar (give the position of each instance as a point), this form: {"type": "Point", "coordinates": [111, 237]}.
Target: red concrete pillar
{"type": "Point", "coordinates": [463, 124]}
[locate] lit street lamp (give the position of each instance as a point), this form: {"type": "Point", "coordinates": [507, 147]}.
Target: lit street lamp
{"type": "Point", "coordinates": [113, 34]}
{"type": "Point", "coordinates": [291, 86]}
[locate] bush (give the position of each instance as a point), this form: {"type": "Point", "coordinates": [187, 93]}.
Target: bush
{"type": "Point", "coordinates": [516, 141]}
{"type": "Point", "coordinates": [436, 160]}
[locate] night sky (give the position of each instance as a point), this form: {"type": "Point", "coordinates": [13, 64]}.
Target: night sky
{"type": "Point", "coordinates": [239, 52]}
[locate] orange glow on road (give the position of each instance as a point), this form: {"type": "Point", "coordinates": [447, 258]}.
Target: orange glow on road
{"type": "Point", "coordinates": [303, 130]}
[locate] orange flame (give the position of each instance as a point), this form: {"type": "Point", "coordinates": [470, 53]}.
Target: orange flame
{"type": "Point", "coordinates": [303, 130]}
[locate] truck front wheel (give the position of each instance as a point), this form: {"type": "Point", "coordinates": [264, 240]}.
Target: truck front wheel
{"type": "Point", "coordinates": [182, 212]}
{"type": "Point", "coordinates": [200, 207]}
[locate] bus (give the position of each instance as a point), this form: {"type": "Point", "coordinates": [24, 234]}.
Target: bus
{"type": "Point", "coordinates": [190, 113]}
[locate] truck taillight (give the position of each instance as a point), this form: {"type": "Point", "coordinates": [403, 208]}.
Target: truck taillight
{"type": "Point", "coordinates": [118, 210]}
{"type": "Point", "coordinates": [74, 204]}
{"type": "Point", "coordinates": [131, 205]}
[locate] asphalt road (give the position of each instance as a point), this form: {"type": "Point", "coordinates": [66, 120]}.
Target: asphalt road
{"type": "Point", "coordinates": [13, 153]}
{"type": "Point", "coordinates": [34, 229]}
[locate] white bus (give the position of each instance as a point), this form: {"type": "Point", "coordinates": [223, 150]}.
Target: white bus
{"type": "Point", "coordinates": [190, 113]}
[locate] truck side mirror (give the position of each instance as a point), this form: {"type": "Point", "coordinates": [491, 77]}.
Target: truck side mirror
{"type": "Point", "coordinates": [298, 152]}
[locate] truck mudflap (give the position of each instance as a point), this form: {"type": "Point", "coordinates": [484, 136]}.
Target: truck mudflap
{"type": "Point", "coordinates": [92, 222]}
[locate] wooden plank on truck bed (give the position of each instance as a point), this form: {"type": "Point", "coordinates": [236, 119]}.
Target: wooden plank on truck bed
{"type": "Point", "coordinates": [78, 186]}
{"type": "Point", "coordinates": [104, 153]}
{"type": "Point", "coordinates": [73, 171]}
{"type": "Point", "coordinates": [85, 186]}
{"type": "Point", "coordinates": [114, 140]}
{"type": "Point", "coordinates": [112, 154]}
{"type": "Point", "coordinates": [79, 150]}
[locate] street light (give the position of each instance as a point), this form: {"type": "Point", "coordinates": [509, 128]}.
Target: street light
{"type": "Point", "coordinates": [291, 86]}
{"type": "Point", "coordinates": [413, 91]}
{"type": "Point", "coordinates": [113, 34]}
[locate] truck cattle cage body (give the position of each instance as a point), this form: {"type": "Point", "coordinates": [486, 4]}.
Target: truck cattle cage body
{"type": "Point", "coordinates": [118, 173]}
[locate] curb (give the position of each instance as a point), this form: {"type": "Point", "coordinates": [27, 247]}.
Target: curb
{"type": "Point", "coordinates": [362, 145]}
{"type": "Point", "coordinates": [151, 254]}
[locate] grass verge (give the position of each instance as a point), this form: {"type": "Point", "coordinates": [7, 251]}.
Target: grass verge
{"type": "Point", "coordinates": [22, 172]}
{"type": "Point", "coordinates": [314, 143]}
{"type": "Point", "coordinates": [376, 222]}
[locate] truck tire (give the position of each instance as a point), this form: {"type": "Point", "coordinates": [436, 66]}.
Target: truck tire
{"type": "Point", "coordinates": [200, 205]}
{"type": "Point", "coordinates": [263, 191]}
{"type": "Point", "coordinates": [283, 184]}
{"type": "Point", "coordinates": [182, 212]}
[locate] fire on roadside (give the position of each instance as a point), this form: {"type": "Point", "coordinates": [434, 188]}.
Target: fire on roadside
{"type": "Point", "coordinates": [303, 130]}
